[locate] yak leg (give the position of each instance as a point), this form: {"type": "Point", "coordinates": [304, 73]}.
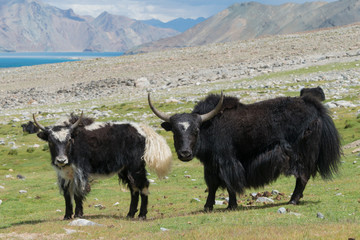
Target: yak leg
{"type": "Point", "coordinates": [299, 189]}
{"type": "Point", "coordinates": [134, 202]}
{"type": "Point", "coordinates": [232, 200]}
{"type": "Point", "coordinates": [68, 202]}
{"type": "Point", "coordinates": [79, 206]}
{"type": "Point", "coordinates": [213, 183]}
{"type": "Point", "coordinates": [143, 208]}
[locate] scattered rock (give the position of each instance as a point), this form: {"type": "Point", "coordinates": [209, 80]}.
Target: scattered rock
{"type": "Point", "coordinates": [22, 191]}
{"type": "Point", "coordinates": [219, 202]}
{"type": "Point", "coordinates": [115, 204]}
{"type": "Point", "coordinates": [320, 215]}
{"type": "Point", "coordinates": [281, 210]}
{"type": "Point", "coordinates": [99, 206]}
{"type": "Point", "coordinates": [69, 231]}
{"type": "Point", "coordinates": [195, 200]}
{"type": "Point", "coordinates": [2, 187]}
{"type": "Point", "coordinates": [83, 222]}
{"type": "Point", "coordinates": [264, 200]}
{"type": "Point", "coordinates": [275, 192]}
{"type": "Point", "coordinates": [0, 202]}
{"type": "Point", "coordinates": [142, 82]}
{"type": "Point", "coordinates": [164, 229]}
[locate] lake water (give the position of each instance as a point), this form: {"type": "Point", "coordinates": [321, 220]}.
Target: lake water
{"type": "Point", "coordinates": [17, 59]}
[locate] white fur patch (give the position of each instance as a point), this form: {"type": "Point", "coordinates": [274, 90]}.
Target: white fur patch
{"type": "Point", "coordinates": [98, 125]}
{"type": "Point", "coordinates": [61, 135]}
{"type": "Point", "coordinates": [185, 125]}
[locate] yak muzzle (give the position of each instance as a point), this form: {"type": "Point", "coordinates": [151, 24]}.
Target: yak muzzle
{"type": "Point", "coordinates": [61, 161]}
{"type": "Point", "coordinates": [185, 155]}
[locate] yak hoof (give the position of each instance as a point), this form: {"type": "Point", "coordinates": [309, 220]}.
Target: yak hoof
{"type": "Point", "coordinates": [142, 218]}
{"type": "Point", "coordinates": [208, 209]}
{"type": "Point", "coordinates": [231, 207]}
{"type": "Point", "coordinates": [67, 217]}
{"type": "Point", "coordinates": [78, 216]}
{"type": "Point", "coordinates": [293, 202]}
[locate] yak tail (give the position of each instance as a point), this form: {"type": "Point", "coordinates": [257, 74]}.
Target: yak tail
{"type": "Point", "coordinates": [157, 155]}
{"type": "Point", "coordinates": [330, 148]}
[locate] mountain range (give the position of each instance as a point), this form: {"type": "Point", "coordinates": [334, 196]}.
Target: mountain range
{"type": "Point", "coordinates": [31, 25]}
{"type": "Point", "coordinates": [251, 20]}
{"type": "Point", "coordinates": [178, 24]}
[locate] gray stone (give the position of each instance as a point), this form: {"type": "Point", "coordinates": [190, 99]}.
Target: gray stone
{"type": "Point", "coordinates": [264, 200]}
{"type": "Point", "coordinates": [22, 191]}
{"type": "Point", "coordinates": [281, 210]}
{"type": "Point", "coordinates": [83, 222]}
{"type": "Point", "coordinates": [275, 192]}
{"type": "Point", "coordinates": [142, 82]}
{"type": "Point", "coordinates": [320, 215]}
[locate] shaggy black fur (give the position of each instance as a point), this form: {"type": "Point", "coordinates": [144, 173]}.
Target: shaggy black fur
{"type": "Point", "coordinates": [247, 146]}
{"type": "Point", "coordinates": [30, 127]}
{"type": "Point", "coordinates": [315, 92]}
{"type": "Point", "coordinates": [107, 150]}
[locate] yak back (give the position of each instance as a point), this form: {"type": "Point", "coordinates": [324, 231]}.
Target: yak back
{"type": "Point", "coordinates": [85, 121]}
{"type": "Point", "coordinates": [212, 100]}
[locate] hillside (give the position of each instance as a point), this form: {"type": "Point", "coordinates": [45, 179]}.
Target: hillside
{"type": "Point", "coordinates": [178, 24]}
{"type": "Point", "coordinates": [31, 25]}
{"type": "Point", "coordinates": [251, 20]}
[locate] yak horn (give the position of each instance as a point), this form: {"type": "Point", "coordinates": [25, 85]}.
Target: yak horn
{"type": "Point", "coordinates": [216, 110]}
{"type": "Point", "coordinates": [38, 124]}
{"type": "Point", "coordinates": [161, 115]}
{"type": "Point", "coordinates": [76, 124]}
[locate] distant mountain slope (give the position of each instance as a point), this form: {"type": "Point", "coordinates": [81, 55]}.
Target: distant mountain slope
{"type": "Point", "coordinates": [252, 20]}
{"type": "Point", "coordinates": [30, 25]}
{"type": "Point", "coordinates": [178, 24]}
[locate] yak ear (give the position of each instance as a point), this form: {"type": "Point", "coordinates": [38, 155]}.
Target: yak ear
{"type": "Point", "coordinates": [43, 135]}
{"type": "Point", "coordinates": [166, 126]}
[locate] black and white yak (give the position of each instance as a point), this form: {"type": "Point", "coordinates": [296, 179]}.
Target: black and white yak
{"type": "Point", "coordinates": [82, 149]}
{"type": "Point", "coordinates": [243, 146]}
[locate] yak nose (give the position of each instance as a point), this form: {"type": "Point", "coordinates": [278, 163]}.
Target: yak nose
{"type": "Point", "coordinates": [61, 160]}
{"type": "Point", "coordinates": [185, 155]}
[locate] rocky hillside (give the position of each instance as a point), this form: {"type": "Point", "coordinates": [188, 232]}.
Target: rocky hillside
{"type": "Point", "coordinates": [181, 74]}
{"type": "Point", "coordinates": [30, 25]}
{"type": "Point", "coordinates": [251, 20]}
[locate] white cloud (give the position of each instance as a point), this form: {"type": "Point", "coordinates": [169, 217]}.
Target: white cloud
{"type": "Point", "coordinates": [164, 10]}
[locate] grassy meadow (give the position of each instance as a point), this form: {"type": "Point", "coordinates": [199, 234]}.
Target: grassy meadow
{"type": "Point", "coordinates": [176, 204]}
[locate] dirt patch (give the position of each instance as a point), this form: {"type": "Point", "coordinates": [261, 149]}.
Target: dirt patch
{"type": "Point", "coordinates": [352, 145]}
{"type": "Point", "coordinates": [31, 236]}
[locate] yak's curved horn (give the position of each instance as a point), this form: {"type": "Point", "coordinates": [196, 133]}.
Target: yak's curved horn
{"type": "Point", "coordinates": [76, 124]}
{"type": "Point", "coordinates": [216, 110]}
{"type": "Point", "coordinates": [161, 115]}
{"type": "Point", "coordinates": [38, 124]}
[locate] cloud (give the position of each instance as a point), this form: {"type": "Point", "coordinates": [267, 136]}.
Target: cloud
{"type": "Point", "coordinates": [164, 10]}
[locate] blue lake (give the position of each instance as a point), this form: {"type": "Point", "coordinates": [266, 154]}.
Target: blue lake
{"type": "Point", "coordinates": [19, 59]}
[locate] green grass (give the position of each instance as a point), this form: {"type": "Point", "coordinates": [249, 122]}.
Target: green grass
{"type": "Point", "coordinates": [171, 202]}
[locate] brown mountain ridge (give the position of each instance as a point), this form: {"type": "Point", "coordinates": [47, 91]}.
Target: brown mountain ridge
{"type": "Point", "coordinates": [243, 21]}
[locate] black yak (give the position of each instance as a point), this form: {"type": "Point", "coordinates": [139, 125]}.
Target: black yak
{"type": "Point", "coordinates": [243, 146]}
{"type": "Point", "coordinates": [30, 127]}
{"type": "Point", "coordinates": [314, 92]}
{"type": "Point", "coordinates": [82, 149]}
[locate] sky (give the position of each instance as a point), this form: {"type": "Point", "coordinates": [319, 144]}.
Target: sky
{"type": "Point", "coordinates": [164, 10]}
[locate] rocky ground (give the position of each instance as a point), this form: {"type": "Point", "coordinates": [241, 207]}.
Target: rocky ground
{"type": "Point", "coordinates": [189, 72]}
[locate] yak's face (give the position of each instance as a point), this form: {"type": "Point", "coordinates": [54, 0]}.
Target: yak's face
{"type": "Point", "coordinates": [60, 141]}
{"type": "Point", "coordinates": [186, 129]}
